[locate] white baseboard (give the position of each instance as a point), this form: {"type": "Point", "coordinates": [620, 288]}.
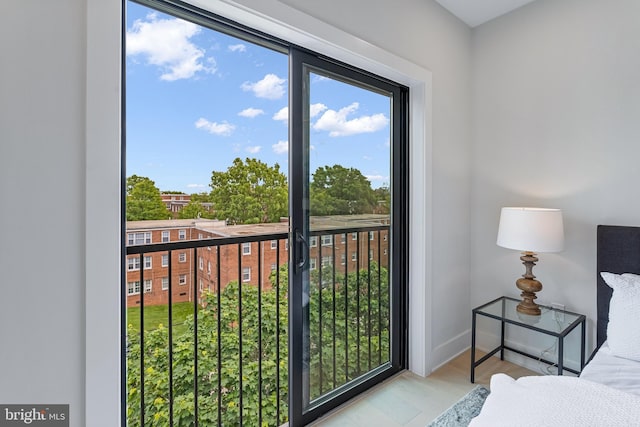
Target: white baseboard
{"type": "Point", "coordinates": [451, 349]}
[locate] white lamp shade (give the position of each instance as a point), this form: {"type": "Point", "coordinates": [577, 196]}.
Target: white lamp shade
{"type": "Point", "coordinates": [531, 229]}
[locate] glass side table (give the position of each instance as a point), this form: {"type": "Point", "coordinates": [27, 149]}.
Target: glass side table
{"type": "Point", "coordinates": [554, 322]}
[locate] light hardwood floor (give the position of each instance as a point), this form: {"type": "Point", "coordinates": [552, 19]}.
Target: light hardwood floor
{"type": "Point", "coordinates": [409, 400]}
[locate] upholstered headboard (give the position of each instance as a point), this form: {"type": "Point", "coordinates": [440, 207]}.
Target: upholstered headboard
{"type": "Point", "coordinates": [618, 252]}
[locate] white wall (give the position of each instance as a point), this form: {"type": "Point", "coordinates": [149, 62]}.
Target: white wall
{"type": "Point", "coordinates": [42, 183]}
{"type": "Point", "coordinates": [556, 102]}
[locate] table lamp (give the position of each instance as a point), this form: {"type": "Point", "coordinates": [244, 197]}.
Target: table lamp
{"type": "Point", "coordinates": [530, 230]}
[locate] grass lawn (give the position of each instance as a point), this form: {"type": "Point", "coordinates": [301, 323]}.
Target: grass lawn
{"type": "Point", "coordinates": [155, 315]}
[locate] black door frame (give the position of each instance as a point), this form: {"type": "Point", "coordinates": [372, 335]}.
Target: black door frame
{"type": "Point", "coordinates": [301, 60]}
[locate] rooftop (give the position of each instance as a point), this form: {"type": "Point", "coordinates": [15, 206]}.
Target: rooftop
{"type": "Point", "coordinates": [219, 227]}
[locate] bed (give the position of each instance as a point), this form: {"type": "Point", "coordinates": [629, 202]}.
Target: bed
{"type": "Point", "coordinates": [607, 393]}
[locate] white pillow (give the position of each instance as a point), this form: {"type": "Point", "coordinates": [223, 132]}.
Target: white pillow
{"type": "Point", "coordinates": [623, 332]}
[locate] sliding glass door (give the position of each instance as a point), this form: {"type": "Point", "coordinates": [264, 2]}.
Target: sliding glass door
{"type": "Point", "coordinates": [347, 215]}
{"type": "Point", "coordinates": [265, 275]}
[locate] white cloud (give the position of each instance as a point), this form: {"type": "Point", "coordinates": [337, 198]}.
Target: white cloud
{"type": "Point", "coordinates": [281, 147]}
{"type": "Point", "coordinates": [282, 115]}
{"type": "Point", "coordinates": [377, 177]}
{"type": "Point", "coordinates": [166, 44]}
{"type": "Point", "coordinates": [196, 186]}
{"type": "Point", "coordinates": [270, 87]}
{"type": "Point", "coordinates": [336, 123]}
{"type": "Point", "coordinates": [316, 109]}
{"type": "Point", "coordinates": [253, 150]}
{"type": "Point", "coordinates": [250, 112]}
{"type": "Point", "coordinates": [237, 47]}
{"type": "Point", "coordinates": [367, 157]}
{"type": "Point", "coordinates": [223, 129]}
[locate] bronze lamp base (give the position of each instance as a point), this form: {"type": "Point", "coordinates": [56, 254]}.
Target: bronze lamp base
{"type": "Point", "coordinates": [529, 286]}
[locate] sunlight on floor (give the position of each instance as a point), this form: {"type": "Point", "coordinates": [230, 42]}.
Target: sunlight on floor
{"type": "Point", "coordinates": [410, 400]}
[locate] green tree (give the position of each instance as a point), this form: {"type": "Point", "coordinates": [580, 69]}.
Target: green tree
{"type": "Point", "coordinates": [134, 180]}
{"type": "Point", "coordinates": [264, 353]}
{"type": "Point", "coordinates": [250, 192]}
{"type": "Point", "coordinates": [201, 197]}
{"type": "Point", "coordinates": [194, 210]}
{"type": "Point", "coordinates": [143, 200]}
{"type": "Point", "coordinates": [349, 335]}
{"type": "Point", "coordinates": [383, 200]}
{"type": "Point", "coordinates": [349, 325]}
{"type": "Point", "coordinates": [336, 190]}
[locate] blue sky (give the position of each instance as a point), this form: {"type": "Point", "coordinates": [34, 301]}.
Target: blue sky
{"type": "Point", "coordinates": [197, 99]}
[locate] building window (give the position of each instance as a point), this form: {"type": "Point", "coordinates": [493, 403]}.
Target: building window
{"type": "Point", "coordinates": [286, 244]}
{"type": "Point", "coordinates": [246, 248]}
{"type": "Point", "coordinates": [327, 240]}
{"type": "Point", "coordinates": [200, 236]}
{"type": "Point", "coordinates": [208, 267]}
{"type": "Point", "coordinates": [133, 263]}
{"type": "Point", "coordinates": [201, 286]}
{"type": "Point", "coordinates": [165, 237]}
{"type": "Point", "coordinates": [313, 241]}
{"type": "Point", "coordinates": [165, 283]}
{"type": "Point", "coordinates": [138, 238]}
{"type": "Point", "coordinates": [354, 236]}
{"type": "Point", "coordinates": [165, 260]}
{"type": "Point", "coordinates": [385, 252]}
{"type": "Point", "coordinates": [133, 288]}
{"type": "Point", "coordinates": [274, 244]}
{"type": "Point", "coordinates": [200, 263]}
{"type": "Point", "coordinates": [147, 262]}
{"type": "Point", "coordinates": [343, 238]}
{"type": "Point", "coordinates": [182, 279]}
{"type": "Point", "coordinates": [385, 237]}
{"type": "Point", "coordinates": [313, 263]}
{"type": "Point", "coordinates": [370, 254]}
{"type": "Point", "coordinates": [274, 267]}
{"type": "Point", "coordinates": [371, 234]}
{"type": "Point", "coordinates": [182, 257]}
{"type": "Point", "coordinates": [343, 259]}
{"type": "Point", "coordinates": [354, 256]}
{"type": "Point", "coordinates": [147, 285]}
{"type": "Point", "coordinates": [246, 274]}
{"type": "Point", "coordinates": [182, 234]}
{"type": "Point", "coordinates": [327, 260]}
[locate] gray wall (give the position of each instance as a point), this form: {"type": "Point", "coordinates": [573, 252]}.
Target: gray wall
{"type": "Point", "coordinates": [42, 181]}
{"type": "Point", "coordinates": [556, 101]}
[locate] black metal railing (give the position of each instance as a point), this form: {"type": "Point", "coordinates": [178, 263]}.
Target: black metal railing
{"type": "Point", "coordinates": [222, 359]}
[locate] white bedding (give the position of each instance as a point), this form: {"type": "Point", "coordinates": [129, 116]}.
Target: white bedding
{"type": "Point", "coordinates": [605, 368]}
{"type": "Point", "coordinates": [552, 401]}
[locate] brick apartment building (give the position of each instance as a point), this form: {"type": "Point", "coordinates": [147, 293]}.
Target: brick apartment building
{"type": "Point", "coordinates": [252, 262]}
{"type": "Point", "coordinates": [176, 202]}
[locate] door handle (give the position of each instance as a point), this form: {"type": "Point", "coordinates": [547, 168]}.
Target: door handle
{"type": "Point", "coordinates": [303, 250]}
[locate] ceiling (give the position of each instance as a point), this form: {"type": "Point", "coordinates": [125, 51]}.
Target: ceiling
{"type": "Point", "coordinates": [476, 12]}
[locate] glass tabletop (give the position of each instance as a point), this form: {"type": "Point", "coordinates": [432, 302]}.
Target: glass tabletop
{"type": "Point", "coordinates": [550, 319]}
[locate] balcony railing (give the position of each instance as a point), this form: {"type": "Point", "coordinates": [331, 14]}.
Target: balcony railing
{"type": "Point", "coordinates": [207, 335]}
